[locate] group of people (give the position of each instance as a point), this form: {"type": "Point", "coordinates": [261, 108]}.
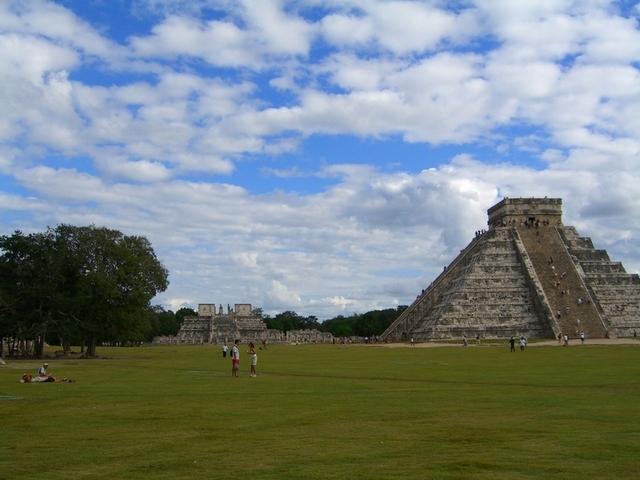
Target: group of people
{"type": "Point", "coordinates": [465, 342]}
{"type": "Point", "coordinates": [235, 358]}
{"type": "Point", "coordinates": [523, 343]}
{"type": "Point", "coordinates": [42, 376]}
{"type": "Point", "coordinates": [564, 338]}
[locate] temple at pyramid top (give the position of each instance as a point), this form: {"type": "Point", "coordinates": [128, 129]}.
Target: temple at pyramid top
{"type": "Point", "coordinates": [517, 210]}
{"type": "Point", "coordinates": [528, 274]}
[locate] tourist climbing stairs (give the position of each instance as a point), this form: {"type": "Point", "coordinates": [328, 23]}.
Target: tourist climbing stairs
{"type": "Point", "coordinates": [566, 293]}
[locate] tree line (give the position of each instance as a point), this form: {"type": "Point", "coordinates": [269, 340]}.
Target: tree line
{"type": "Point", "coordinates": [75, 285]}
{"type": "Point", "coordinates": [161, 322]}
{"type": "Point", "coordinates": [369, 324]}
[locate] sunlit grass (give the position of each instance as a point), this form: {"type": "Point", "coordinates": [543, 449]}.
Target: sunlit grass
{"type": "Point", "coordinates": [326, 411]}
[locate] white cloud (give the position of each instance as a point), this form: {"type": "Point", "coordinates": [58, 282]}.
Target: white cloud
{"type": "Point", "coordinates": [556, 81]}
{"type": "Point", "coordinates": [268, 31]}
{"type": "Point", "coordinates": [278, 32]}
{"type": "Point", "coordinates": [142, 170]}
{"type": "Point", "coordinates": [347, 248]}
{"type": "Point", "coordinates": [56, 23]}
{"type": "Point", "coordinates": [175, 304]}
{"type": "Point", "coordinates": [401, 27]}
{"type": "Point", "coordinates": [246, 259]}
{"type": "Point", "coordinates": [347, 30]}
{"type": "Point", "coordinates": [217, 42]}
{"type": "Point", "coordinates": [281, 297]}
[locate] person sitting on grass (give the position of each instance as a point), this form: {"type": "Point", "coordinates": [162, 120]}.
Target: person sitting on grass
{"type": "Point", "coordinates": [42, 371]}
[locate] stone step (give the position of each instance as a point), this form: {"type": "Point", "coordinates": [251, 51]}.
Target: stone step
{"type": "Point", "coordinates": [591, 255]}
{"type": "Point", "coordinates": [506, 297]}
{"type": "Point", "coordinates": [602, 267]}
{"type": "Point", "coordinates": [612, 279]}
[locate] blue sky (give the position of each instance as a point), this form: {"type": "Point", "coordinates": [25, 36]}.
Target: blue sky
{"type": "Point", "coordinates": [325, 157]}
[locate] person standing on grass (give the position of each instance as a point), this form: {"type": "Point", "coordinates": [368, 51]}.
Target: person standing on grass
{"type": "Point", "coordinates": [235, 358]}
{"type": "Point", "coordinates": [464, 341]}
{"type": "Point", "coordinates": [512, 342]}
{"type": "Point", "coordinates": [224, 350]}
{"type": "Point", "coordinates": [523, 343]}
{"type": "Point", "coordinates": [253, 356]}
{"type": "Point", "coordinates": [582, 337]}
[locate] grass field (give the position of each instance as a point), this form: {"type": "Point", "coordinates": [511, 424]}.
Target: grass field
{"type": "Point", "coordinates": [328, 412]}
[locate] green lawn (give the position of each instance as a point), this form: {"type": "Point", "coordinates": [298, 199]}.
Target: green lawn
{"type": "Point", "coordinates": [328, 412]}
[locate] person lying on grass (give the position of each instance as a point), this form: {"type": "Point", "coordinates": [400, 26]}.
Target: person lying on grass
{"type": "Point", "coordinates": [28, 378]}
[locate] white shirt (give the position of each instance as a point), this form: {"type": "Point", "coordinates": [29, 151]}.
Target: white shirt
{"type": "Point", "coordinates": [235, 352]}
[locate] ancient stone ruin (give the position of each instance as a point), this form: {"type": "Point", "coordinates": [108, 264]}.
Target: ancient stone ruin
{"type": "Point", "coordinates": [217, 326]}
{"type": "Point", "coordinates": [527, 274]}
{"type": "Point", "coordinates": [308, 336]}
{"type": "Point", "coordinates": [214, 325]}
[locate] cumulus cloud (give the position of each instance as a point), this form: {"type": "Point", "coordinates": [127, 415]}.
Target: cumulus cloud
{"type": "Point", "coordinates": [54, 22]}
{"type": "Point", "coordinates": [373, 240]}
{"type": "Point", "coordinates": [401, 27]}
{"type": "Point", "coordinates": [526, 98]}
{"type": "Point", "coordinates": [267, 31]}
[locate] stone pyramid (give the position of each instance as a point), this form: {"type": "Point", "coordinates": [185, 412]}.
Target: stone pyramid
{"type": "Point", "coordinates": [530, 275]}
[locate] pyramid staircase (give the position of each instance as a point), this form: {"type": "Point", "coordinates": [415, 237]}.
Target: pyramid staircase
{"type": "Point", "coordinates": [562, 283]}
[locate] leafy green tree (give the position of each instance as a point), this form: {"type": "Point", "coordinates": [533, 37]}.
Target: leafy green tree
{"type": "Point", "coordinates": [290, 320]}
{"type": "Point", "coordinates": [339, 326]}
{"type": "Point", "coordinates": [184, 312]}
{"type": "Point", "coordinates": [369, 324]}
{"type": "Point", "coordinates": [161, 322]}
{"type": "Point", "coordinates": [120, 275]}
{"type": "Point", "coordinates": [29, 280]}
{"type": "Point", "coordinates": [87, 282]}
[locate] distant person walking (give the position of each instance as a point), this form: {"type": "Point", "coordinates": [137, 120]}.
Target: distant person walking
{"type": "Point", "coordinates": [253, 356]}
{"type": "Point", "coordinates": [582, 337]}
{"type": "Point", "coordinates": [512, 342]}
{"type": "Point", "coordinates": [565, 340]}
{"type": "Point", "coordinates": [224, 350]}
{"type": "Point", "coordinates": [235, 358]}
{"type": "Point", "coordinates": [523, 343]}
{"type": "Point", "coordinates": [465, 343]}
